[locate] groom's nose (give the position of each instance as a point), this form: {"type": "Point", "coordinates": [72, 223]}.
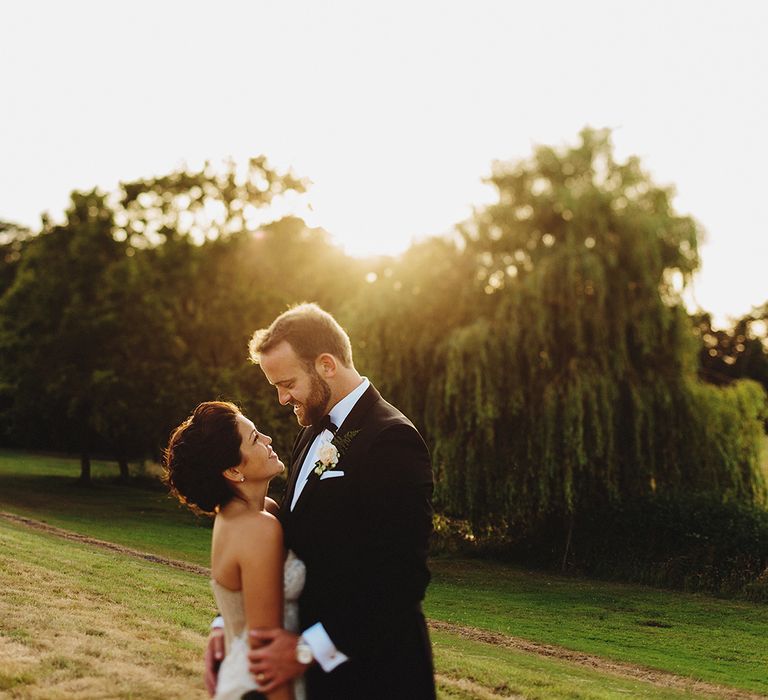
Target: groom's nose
{"type": "Point", "coordinates": [283, 397]}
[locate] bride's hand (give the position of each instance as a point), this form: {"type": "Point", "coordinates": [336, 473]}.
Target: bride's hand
{"type": "Point", "coordinates": [214, 654]}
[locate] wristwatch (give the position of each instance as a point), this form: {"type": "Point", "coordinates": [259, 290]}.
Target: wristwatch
{"type": "Point", "coordinates": [304, 653]}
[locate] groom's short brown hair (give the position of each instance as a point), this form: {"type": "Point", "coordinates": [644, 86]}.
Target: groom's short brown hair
{"type": "Point", "coordinates": [309, 330]}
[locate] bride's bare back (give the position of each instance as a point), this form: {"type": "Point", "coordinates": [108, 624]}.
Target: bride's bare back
{"type": "Point", "coordinates": [247, 558]}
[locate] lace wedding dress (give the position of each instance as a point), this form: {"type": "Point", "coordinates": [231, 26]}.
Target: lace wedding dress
{"type": "Point", "coordinates": [234, 678]}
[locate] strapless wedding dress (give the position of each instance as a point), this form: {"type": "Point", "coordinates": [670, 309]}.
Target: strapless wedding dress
{"type": "Point", "coordinates": [234, 678]}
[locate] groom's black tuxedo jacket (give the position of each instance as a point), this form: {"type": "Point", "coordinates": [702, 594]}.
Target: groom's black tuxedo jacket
{"type": "Point", "coordinates": [364, 540]}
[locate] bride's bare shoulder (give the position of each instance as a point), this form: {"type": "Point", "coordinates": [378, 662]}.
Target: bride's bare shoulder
{"type": "Point", "coordinates": [259, 545]}
{"type": "Point", "coordinates": [246, 525]}
{"type": "Point", "coordinates": [257, 527]}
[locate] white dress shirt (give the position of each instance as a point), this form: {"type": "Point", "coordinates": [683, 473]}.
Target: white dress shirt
{"type": "Point", "coordinates": [338, 414]}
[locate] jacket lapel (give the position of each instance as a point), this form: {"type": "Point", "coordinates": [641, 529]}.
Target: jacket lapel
{"type": "Point", "coordinates": [354, 421]}
{"type": "Point", "coordinates": [301, 454]}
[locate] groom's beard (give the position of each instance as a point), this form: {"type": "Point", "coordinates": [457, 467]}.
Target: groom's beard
{"type": "Point", "coordinates": [315, 407]}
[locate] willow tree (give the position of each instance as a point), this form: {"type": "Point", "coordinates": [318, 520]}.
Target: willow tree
{"type": "Point", "coordinates": [575, 383]}
{"type": "Point", "coordinates": [400, 318]}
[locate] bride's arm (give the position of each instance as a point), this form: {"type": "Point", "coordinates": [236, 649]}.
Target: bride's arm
{"type": "Point", "coordinates": [261, 571]}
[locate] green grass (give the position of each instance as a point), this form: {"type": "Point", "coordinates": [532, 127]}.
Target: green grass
{"type": "Point", "coordinates": [80, 622]}
{"type": "Point", "coordinates": [46, 488]}
{"type": "Point", "coordinates": [515, 673]}
{"type": "Point", "coordinates": [698, 636]}
{"type": "Point", "coordinates": [711, 639]}
{"type": "Point", "coordinates": [160, 593]}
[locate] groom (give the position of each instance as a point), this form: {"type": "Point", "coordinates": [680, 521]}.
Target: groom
{"type": "Point", "coordinates": [359, 518]}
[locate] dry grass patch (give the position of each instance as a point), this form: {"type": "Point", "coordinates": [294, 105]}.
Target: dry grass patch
{"type": "Point", "coordinates": [77, 624]}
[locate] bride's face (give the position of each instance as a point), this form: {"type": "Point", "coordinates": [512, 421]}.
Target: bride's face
{"type": "Point", "coordinates": [259, 460]}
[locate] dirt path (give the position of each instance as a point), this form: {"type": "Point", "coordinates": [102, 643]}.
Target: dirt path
{"type": "Point", "coordinates": [68, 535]}
{"type": "Point", "coordinates": [596, 663]}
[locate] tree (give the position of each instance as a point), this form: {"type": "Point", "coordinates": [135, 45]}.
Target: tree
{"type": "Point", "coordinates": [209, 204]}
{"type": "Point", "coordinates": [562, 374]}
{"type": "Point", "coordinates": [400, 317]}
{"type": "Point", "coordinates": [219, 274]}
{"type": "Point", "coordinates": [735, 353]}
{"type": "Point", "coordinates": [141, 305]}
{"type": "Point", "coordinates": [12, 240]}
{"type": "Point", "coordinates": [57, 327]}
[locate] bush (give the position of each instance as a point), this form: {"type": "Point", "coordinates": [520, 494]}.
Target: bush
{"type": "Point", "coordinates": [758, 589]}
{"type": "Point", "coordinates": [451, 536]}
{"type": "Point", "coordinates": [696, 543]}
{"type": "Point", "coordinates": [693, 543]}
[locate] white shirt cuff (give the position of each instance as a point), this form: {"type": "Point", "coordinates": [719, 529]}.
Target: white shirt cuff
{"type": "Point", "coordinates": [323, 649]}
{"type": "Point", "coordinates": [218, 623]}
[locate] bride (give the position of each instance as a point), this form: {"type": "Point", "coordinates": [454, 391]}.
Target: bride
{"type": "Point", "coordinates": [218, 462]}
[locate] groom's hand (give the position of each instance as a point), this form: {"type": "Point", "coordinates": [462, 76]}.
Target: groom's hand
{"type": "Point", "coordinates": [273, 658]}
{"type": "Point", "coordinates": [214, 654]}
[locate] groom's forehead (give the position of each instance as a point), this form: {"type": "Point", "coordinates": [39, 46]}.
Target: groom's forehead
{"type": "Point", "coordinates": [280, 382]}
{"type": "Point", "coordinates": [281, 365]}
{"type": "Point", "coordinates": [278, 376]}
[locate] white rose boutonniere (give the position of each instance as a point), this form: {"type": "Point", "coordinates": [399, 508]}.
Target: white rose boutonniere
{"type": "Point", "coordinates": [330, 453]}
{"type": "Point", "coordinates": [327, 457]}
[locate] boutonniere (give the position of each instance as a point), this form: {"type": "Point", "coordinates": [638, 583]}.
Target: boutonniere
{"type": "Point", "coordinates": [330, 453]}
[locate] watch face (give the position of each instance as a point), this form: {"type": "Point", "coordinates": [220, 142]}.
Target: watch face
{"type": "Point", "coordinates": [304, 654]}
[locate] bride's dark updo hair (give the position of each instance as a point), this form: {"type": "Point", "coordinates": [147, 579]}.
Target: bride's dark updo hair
{"type": "Point", "coordinates": [200, 449]}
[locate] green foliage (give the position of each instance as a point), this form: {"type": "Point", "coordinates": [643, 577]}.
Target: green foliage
{"type": "Point", "coordinates": [548, 355]}
{"type": "Point", "coordinates": [210, 204]}
{"type": "Point", "coordinates": [12, 241]}
{"type": "Point", "coordinates": [544, 351]}
{"type": "Point", "coordinates": [399, 321]}
{"type": "Point", "coordinates": [757, 590]}
{"type": "Point", "coordinates": [691, 543]}
{"type": "Point", "coordinates": [57, 326]}
{"type": "Point", "coordinates": [141, 305]}
{"type": "Point", "coordinates": [734, 353]}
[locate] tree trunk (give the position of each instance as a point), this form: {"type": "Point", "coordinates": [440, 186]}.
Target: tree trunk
{"type": "Point", "coordinates": [567, 543]}
{"type": "Point", "coordinates": [85, 468]}
{"type": "Point", "coordinates": [122, 462]}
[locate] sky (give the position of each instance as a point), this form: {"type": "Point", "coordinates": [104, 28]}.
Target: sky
{"type": "Point", "coordinates": [396, 110]}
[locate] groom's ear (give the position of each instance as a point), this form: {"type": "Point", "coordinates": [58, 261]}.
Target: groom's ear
{"type": "Point", "coordinates": [326, 365]}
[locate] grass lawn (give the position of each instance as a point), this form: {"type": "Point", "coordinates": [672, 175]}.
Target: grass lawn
{"type": "Point", "coordinates": [702, 637]}
{"type": "Point", "coordinates": [78, 622]}
{"type": "Point", "coordinates": [45, 488]}
{"type": "Point", "coordinates": [521, 675]}
{"type": "Point", "coordinates": [698, 636]}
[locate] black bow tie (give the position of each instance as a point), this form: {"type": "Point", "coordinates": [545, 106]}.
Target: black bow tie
{"type": "Point", "coordinates": [323, 424]}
